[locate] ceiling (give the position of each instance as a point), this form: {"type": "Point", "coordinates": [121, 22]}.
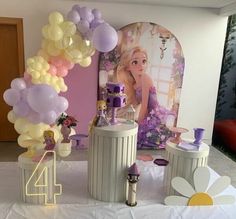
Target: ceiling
{"type": "Point", "coordinates": [225, 7]}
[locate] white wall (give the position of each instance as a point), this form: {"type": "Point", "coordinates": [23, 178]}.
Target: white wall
{"type": "Point", "coordinates": [201, 33]}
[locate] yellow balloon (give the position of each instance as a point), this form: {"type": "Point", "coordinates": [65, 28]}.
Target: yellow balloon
{"type": "Point", "coordinates": [45, 31]}
{"type": "Point", "coordinates": [43, 53]}
{"type": "Point", "coordinates": [76, 41]}
{"type": "Point", "coordinates": [73, 55]}
{"type": "Point", "coordinates": [37, 66]}
{"type": "Point", "coordinates": [64, 88]}
{"type": "Point", "coordinates": [35, 74]}
{"type": "Point", "coordinates": [85, 62]}
{"type": "Point", "coordinates": [55, 33]}
{"type": "Point", "coordinates": [55, 18]}
{"type": "Point", "coordinates": [45, 43]}
{"type": "Point", "coordinates": [68, 28]}
{"type": "Point", "coordinates": [36, 80]}
{"type": "Point", "coordinates": [21, 140]}
{"type": "Point", "coordinates": [52, 50]}
{"type": "Point", "coordinates": [35, 131]}
{"type": "Point", "coordinates": [39, 59]}
{"type": "Point", "coordinates": [11, 116]}
{"type": "Point", "coordinates": [30, 61]}
{"type": "Point", "coordinates": [63, 43]}
{"type": "Point", "coordinates": [57, 88]}
{"type": "Point", "coordinates": [21, 126]}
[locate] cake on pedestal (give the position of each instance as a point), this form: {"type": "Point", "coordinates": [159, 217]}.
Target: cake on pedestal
{"type": "Point", "coordinates": [116, 98]}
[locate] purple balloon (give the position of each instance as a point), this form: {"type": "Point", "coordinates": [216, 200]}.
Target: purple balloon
{"type": "Point", "coordinates": [95, 23]}
{"type": "Point", "coordinates": [89, 35]}
{"type": "Point", "coordinates": [76, 7]}
{"type": "Point", "coordinates": [18, 84]}
{"type": "Point", "coordinates": [11, 96]}
{"type": "Point", "coordinates": [24, 94]}
{"type": "Point", "coordinates": [97, 13]}
{"type": "Point", "coordinates": [83, 26]}
{"type": "Point", "coordinates": [105, 38]}
{"type": "Point", "coordinates": [62, 104]}
{"type": "Point", "coordinates": [41, 98]}
{"type": "Point", "coordinates": [34, 117]}
{"type": "Point", "coordinates": [21, 109]}
{"type": "Point", "coordinates": [73, 16]}
{"type": "Point", "coordinates": [50, 117]}
{"type": "Point", "coordinates": [86, 14]}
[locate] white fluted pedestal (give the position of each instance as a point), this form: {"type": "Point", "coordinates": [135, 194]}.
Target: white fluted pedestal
{"type": "Point", "coordinates": [112, 149]}
{"type": "Point", "coordinates": [35, 185]}
{"type": "Point", "coordinates": [183, 163]}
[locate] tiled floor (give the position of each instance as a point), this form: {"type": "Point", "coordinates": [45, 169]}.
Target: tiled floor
{"type": "Point", "coordinates": [9, 151]}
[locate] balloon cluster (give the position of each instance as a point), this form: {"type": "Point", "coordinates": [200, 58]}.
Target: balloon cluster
{"type": "Point", "coordinates": [34, 98]}
{"type": "Point", "coordinates": [37, 103]}
{"type": "Point", "coordinates": [35, 107]}
{"type": "Point", "coordinates": [92, 27]}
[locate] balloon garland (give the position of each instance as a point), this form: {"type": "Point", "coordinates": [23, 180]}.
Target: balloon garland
{"type": "Point", "coordinates": [35, 97]}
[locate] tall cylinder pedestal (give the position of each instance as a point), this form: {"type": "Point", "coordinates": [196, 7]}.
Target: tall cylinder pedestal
{"type": "Point", "coordinates": [183, 163]}
{"type": "Point", "coordinates": [112, 149]}
{"type": "Point", "coordinates": [39, 183]}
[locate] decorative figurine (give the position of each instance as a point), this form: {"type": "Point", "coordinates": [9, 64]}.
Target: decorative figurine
{"type": "Point", "coordinates": [198, 135]}
{"type": "Point", "coordinates": [100, 119]}
{"type": "Point", "coordinates": [133, 178]}
{"type": "Point", "coordinates": [66, 123]}
{"type": "Point", "coordinates": [116, 98]}
{"type": "Point", "coordinates": [49, 140]}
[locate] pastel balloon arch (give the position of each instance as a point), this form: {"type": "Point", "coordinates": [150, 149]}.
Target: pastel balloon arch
{"type": "Point", "coordinates": [35, 97]}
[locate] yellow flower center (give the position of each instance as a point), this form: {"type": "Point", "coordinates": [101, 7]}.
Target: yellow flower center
{"type": "Point", "coordinates": [200, 198]}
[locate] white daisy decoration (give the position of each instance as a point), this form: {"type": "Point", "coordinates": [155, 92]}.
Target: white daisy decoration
{"type": "Point", "coordinates": [202, 193]}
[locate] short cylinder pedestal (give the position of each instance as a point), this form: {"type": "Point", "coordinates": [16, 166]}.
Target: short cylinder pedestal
{"type": "Point", "coordinates": [31, 189]}
{"type": "Point", "coordinates": [112, 149]}
{"type": "Point", "coordinates": [183, 163]}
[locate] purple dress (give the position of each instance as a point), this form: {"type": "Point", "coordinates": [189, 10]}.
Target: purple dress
{"type": "Point", "coordinates": [152, 131]}
{"type": "Point", "coordinates": [50, 145]}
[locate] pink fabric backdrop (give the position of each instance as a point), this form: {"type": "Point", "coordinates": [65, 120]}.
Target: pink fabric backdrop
{"type": "Point", "coordinates": [82, 93]}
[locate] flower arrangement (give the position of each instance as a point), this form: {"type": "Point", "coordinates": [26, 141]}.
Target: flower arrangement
{"type": "Point", "coordinates": [66, 120]}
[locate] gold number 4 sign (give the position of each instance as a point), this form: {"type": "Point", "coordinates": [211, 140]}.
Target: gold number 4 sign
{"type": "Point", "coordinates": [40, 181]}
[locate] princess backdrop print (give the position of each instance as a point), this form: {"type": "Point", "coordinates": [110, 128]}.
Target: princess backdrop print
{"type": "Point", "coordinates": [149, 61]}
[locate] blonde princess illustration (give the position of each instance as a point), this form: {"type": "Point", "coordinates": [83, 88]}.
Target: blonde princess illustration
{"type": "Point", "coordinates": [141, 93]}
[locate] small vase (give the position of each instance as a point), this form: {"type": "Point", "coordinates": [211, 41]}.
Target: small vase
{"type": "Point", "coordinates": [198, 135]}
{"type": "Point", "coordinates": [65, 131]}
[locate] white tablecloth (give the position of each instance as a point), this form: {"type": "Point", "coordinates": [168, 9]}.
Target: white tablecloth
{"type": "Point", "coordinates": [75, 202]}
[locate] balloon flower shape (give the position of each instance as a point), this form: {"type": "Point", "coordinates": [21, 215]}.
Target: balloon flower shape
{"type": "Point", "coordinates": [202, 193]}
{"type": "Point", "coordinates": [92, 27]}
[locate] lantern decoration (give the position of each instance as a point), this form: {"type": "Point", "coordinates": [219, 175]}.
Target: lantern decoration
{"type": "Point", "coordinates": [133, 178]}
{"type": "Point", "coordinates": [130, 114]}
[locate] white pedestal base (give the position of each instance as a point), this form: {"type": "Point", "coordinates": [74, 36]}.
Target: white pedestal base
{"type": "Point", "coordinates": [112, 149]}
{"type": "Point", "coordinates": [183, 163]}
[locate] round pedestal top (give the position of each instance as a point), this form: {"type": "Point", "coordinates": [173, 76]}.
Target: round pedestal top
{"type": "Point", "coordinates": [203, 150]}
{"type": "Point", "coordinates": [122, 128]}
